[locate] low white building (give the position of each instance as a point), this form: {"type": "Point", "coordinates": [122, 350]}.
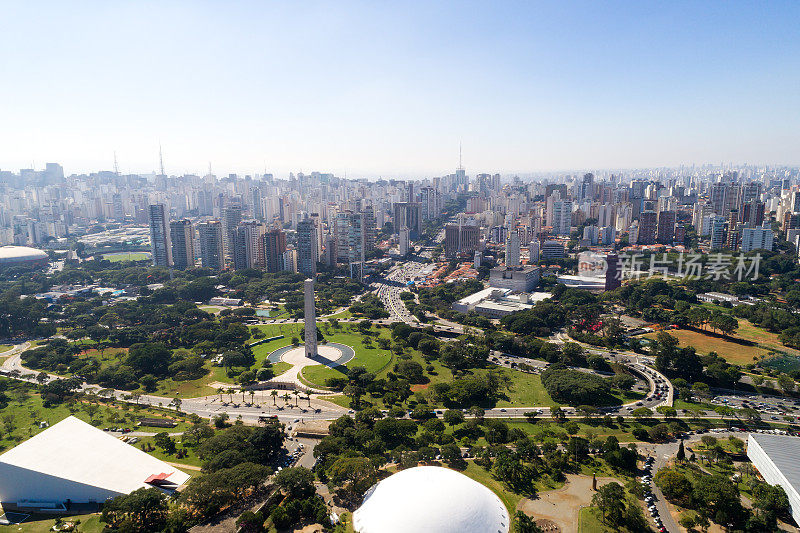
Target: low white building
{"type": "Point", "coordinates": [495, 302]}
{"type": "Point", "coordinates": [775, 457]}
{"type": "Point", "coordinates": [75, 463]}
{"type": "Point", "coordinates": [430, 499]}
{"type": "Point", "coordinates": [717, 297]}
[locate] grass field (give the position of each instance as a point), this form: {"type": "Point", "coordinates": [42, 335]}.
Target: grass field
{"type": "Point", "coordinates": [589, 521]}
{"type": "Point", "coordinates": [731, 351]}
{"type": "Point", "coordinates": [5, 348]}
{"type": "Point", "coordinates": [90, 523]}
{"type": "Point", "coordinates": [316, 375]}
{"type": "Point", "coordinates": [190, 459]}
{"type": "Point", "coordinates": [280, 367]}
{"type": "Point", "coordinates": [127, 256]}
{"type": "Point", "coordinates": [764, 338]}
{"type": "Point", "coordinates": [524, 389]}
{"type": "Point", "coordinates": [25, 410]}
{"type": "Point", "coordinates": [338, 316]}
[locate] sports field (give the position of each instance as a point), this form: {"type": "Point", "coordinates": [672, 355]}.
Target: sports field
{"type": "Point", "coordinates": [127, 256]}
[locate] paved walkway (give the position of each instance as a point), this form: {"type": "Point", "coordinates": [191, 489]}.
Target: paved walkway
{"type": "Point", "coordinates": [563, 506]}
{"type": "Point", "coordinates": [331, 355]}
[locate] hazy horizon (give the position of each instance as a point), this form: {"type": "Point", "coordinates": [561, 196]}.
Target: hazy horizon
{"type": "Point", "coordinates": [373, 90]}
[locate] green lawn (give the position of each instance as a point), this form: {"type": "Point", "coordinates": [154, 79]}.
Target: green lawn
{"type": "Point", "coordinates": [263, 350]}
{"type": "Point", "coordinates": [589, 521]}
{"type": "Point", "coordinates": [484, 477]}
{"type": "Point", "coordinates": [316, 375]}
{"type": "Point", "coordinates": [372, 358]}
{"type": "Point", "coordinates": [25, 410]}
{"type": "Point", "coordinates": [127, 256]}
{"type": "Point", "coordinates": [525, 390]}
{"type": "Point", "coordinates": [510, 499]}
{"type": "Point", "coordinates": [338, 316]}
{"type": "Point", "coordinates": [280, 367]}
{"type": "Point", "coordinates": [90, 523]}
{"type": "Point", "coordinates": [5, 347]}
{"type": "Point", "coordinates": [190, 459]}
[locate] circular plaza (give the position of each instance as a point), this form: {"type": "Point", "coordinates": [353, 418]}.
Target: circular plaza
{"type": "Point", "coordinates": [331, 355]}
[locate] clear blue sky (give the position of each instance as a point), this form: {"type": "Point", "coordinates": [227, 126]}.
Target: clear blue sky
{"type": "Point", "coordinates": [391, 88]}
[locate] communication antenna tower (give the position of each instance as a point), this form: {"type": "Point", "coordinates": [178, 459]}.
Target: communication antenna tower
{"type": "Point", "coordinates": [116, 167]}
{"type": "Point", "coordinates": [161, 159]}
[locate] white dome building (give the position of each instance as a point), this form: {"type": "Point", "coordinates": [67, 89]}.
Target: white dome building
{"type": "Point", "coordinates": [430, 499]}
{"type": "Point", "coordinates": [22, 255]}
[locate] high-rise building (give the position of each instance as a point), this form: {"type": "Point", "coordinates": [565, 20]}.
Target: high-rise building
{"type": "Point", "coordinates": [248, 248]}
{"type": "Point", "coordinates": [587, 187]}
{"type": "Point", "coordinates": [408, 214]}
{"type": "Point", "coordinates": [680, 234]}
{"type": "Point", "coordinates": [666, 227]}
{"type": "Point", "coordinates": [718, 232]}
{"type": "Point", "coordinates": [231, 216]}
{"type": "Point", "coordinates": [461, 239]}
{"type": "Point", "coordinates": [330, 250]}
{"type": "Point", "coordinates": [469, 239]}
{"type": "Point", "coordinates": [753, 213]}
{"type": "Point", "coordinates": [370, 228]}
{"type": "Point", "coordinates": [430, 202]}
{"type": "Point", "coordinates": [404, 241]}
{"type": "Point", "coordinates": [613, 274]}
{"type": "Point", "coordinates": [307, 246]}
{"type": "Point", "coordinates": [290, 260]}
{"type": "Point", "coordinates": [274, 247]}
{"type": "Point", "coordinates": [159, 236]}
{"type": "Point", "coordinates": [791, 221]}
{"type": "Point", "coordinates": [118, 209]}
{"type": "Point", "coordinates": [258, 207]}
{"type": "Point", "coordinates": [648, 227]}
{"type": "Point", "coordinates": [761, 238]}
{"type": "Point", "coordinates": [559, 213]}
{"type": "Point", "coordinates": [181, 234]}
{"type": "Point", "coordinates": [534, 250]}
{"type": "Point", "coordinates": [512, 249]}
{"type": "Point", "coordinates": [349, 231]}
{"type": "Point", "coordinates": [452, 233]}
{"type": "Point", "coordinates": [211, 245]}
{"type": "Point", "coordinates": [700, 215]}
{"type": "Point", "coordinates": [724, 197]}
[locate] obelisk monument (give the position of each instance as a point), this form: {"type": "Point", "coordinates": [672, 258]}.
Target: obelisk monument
{"type": "Point", "coordinates": [311, 319]}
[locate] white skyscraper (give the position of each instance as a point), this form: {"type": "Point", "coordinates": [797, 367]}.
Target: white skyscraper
{"type": "Point", "coordinates": [560, 215]}
{"type": "Point", "coordinates": [512, 248]}
{"type": "Point", "coordinates": [404, 241]}
{"type": "Point", "coordinates": [757, 238]}
{"type": "Point", "coordinates": [534, 250]}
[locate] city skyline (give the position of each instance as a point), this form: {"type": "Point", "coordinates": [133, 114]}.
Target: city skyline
{"type": "Point", "coordinates": [392, 91]}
